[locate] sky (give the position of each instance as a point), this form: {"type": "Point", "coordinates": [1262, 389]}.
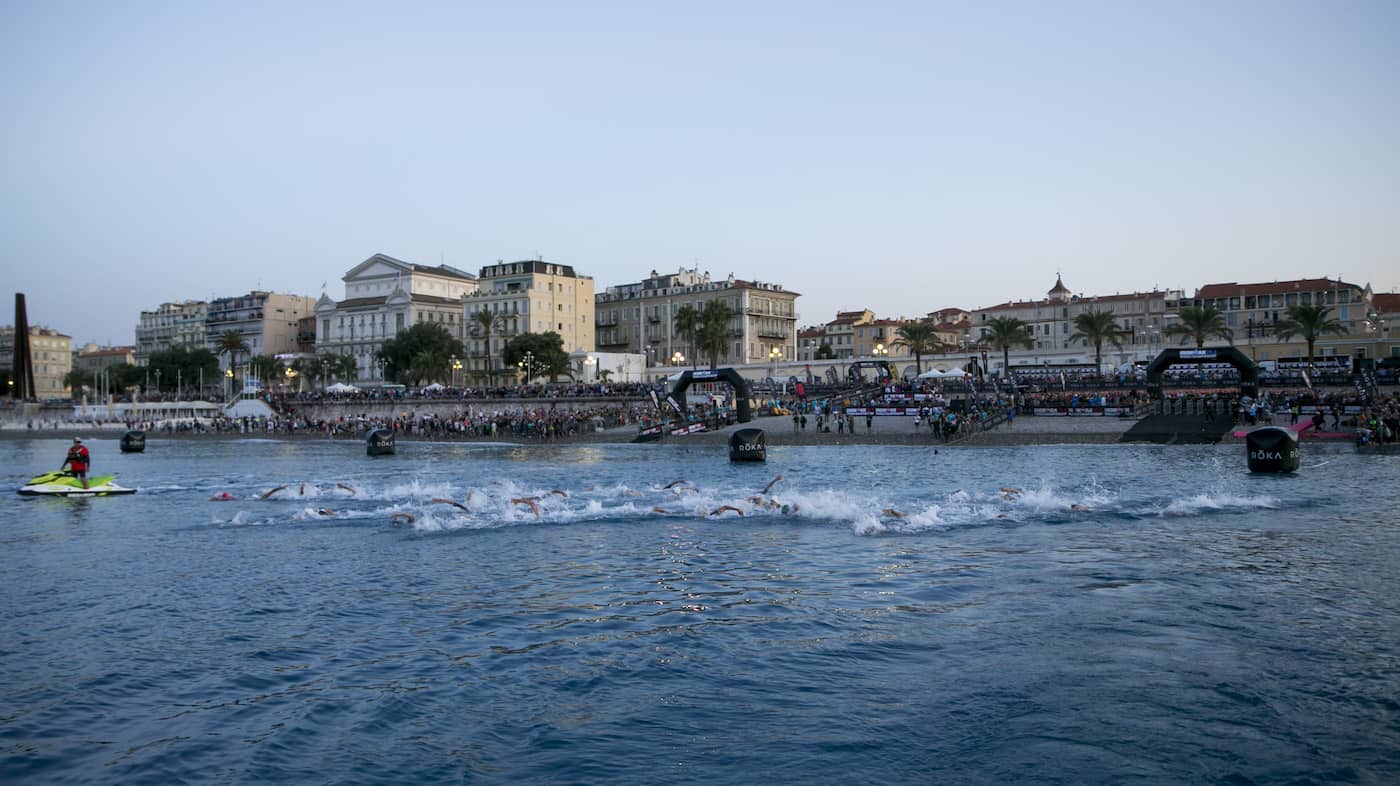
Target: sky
{"type": "Point", "coordinates": [900, 156]}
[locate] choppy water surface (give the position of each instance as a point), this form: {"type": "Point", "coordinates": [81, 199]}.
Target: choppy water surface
{"type": "Point", "coordinates": [1194, 624]}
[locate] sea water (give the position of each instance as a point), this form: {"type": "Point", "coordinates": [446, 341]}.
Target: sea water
{"type": "Point", "coordinates": [1073, 614]}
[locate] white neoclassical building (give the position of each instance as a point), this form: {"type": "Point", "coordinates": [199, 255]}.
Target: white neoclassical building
{"type": "Point", "coordinates": [383, 296]}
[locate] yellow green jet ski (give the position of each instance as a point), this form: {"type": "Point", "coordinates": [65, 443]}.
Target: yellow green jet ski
{"type": "Point", "coordinates": [64, 484]}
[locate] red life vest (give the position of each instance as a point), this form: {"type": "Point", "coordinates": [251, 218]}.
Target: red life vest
{"type": "Point", "coordinates": [78, 458]}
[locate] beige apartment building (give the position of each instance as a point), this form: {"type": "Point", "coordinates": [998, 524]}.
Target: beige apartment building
{"type": "Point", "coordinates": [640, 318]}
{"type": "Point", "coordinates": [266, 320]}
{"type": "Point", "coordinates": [1253, 312]}
{"type": "Point", "coordinates": [1144, 315]}
{"type": "Point", "coordinates": [529, 296]}
{"type": "Point", "coordinates": [170, 325]}
{"type": "Point", "coordinates": [52, 355]}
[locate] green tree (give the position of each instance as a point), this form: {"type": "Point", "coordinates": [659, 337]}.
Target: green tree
{"type": "Point", "coordinates": [482, 323]}
{"type": "Point", "coordinates": [825, 352]}
{"type": "Point", "coordinates": [1003, 333]}
{"type": "Point", "coordinates": [181, 365]}
{"type": "Point", "coordinates": [1094, 328]}
{"type": "Point", "coordinates": [77, 379]}
{"type": "Point", "coordinates": [400, 353]}
{"type": "Point", "coordinates": [267, 368]}
{"type": "Point", "coordinates": [343, 367]}
{"type": "Point", "coordinates": [547, 355]}
{"type": "Point", "coordinates": [1199, 323]}
{"type": "Point", "coordinates": [231, 343]}
{"type": "Point", "coordinates": [125, 377]}
{"type": "Point", "coordinates": [687, 324]}
{"type": "Point", "coordinates": [712, 335]}
{"type": "Point", "coordinates": [1310, 322]}
{"type": "Point", "coordinates": [921, 338]}
{"type": "Point", "coordinates": [603, 374]}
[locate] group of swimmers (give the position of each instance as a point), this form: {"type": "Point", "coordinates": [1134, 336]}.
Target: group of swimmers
{"type": "Point", "coordinates": [761, 501]}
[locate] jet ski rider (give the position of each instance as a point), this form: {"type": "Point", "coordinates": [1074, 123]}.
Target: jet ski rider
{"type": "Point", "coordinates": [77, 461]}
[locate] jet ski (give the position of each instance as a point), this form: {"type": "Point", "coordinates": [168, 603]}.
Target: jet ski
{"type": "Point", "coordinates": [65, 484]}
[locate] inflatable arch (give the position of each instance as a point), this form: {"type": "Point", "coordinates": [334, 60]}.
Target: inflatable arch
{"type": "Point", "coordinates": [728, 375]}
{"type": "Point", "coordinates": [1249, 373]}
{"type": "Point", "coordinates": [885, 367]}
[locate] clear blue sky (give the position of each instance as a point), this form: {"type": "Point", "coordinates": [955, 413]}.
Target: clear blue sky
{"type": "Point", "coordinates": [901, 156]}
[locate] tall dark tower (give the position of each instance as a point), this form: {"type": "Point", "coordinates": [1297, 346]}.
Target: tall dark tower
{"type": "Point", "coordinates": [23, 364]}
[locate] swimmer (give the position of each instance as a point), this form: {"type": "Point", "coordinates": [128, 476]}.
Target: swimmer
{"type": "Point", "coordinates": [347, 488]}
{"type": "Point", "coordinates": [453, 503]}
{"type": "Point", "coordinates": [1009, 494]}
{"type": "Point", "coordinates": [756, 500]}
{"type": "Point", "coordinates": [302, 491]}
{"type": "Point", "coordinates": [678, 490]}
{"type": "Point", "coordinates": [222, 496]}
{"type": "Point", "coordinates": [534, 508]}
{"type": "Point", "coordinates": [673, 483]}
{"type": "Point", "coordinates": [401, 518]}
{"type": "Point", "coordinates": [657, 509]}
{"type": "Point", "coordinates": [771, 484]}
{"type": "Point", "coordinates": [324, 512]}
{"type": "Point", "coordinates": [894, 513]}
{"type": "Point", "coordinates": [559, 492]}
{"type": "Point", "coordinates": [789, 510]}
{"type": "Point", "coordinates": [1077, 506]}
{"type": "Point", "coordinates": [723, 508]}
{"type": "Point", "coordinates": [270, 492]}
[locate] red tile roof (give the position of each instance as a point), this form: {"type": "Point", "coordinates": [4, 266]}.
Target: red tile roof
{"type": "Point", "coordinates": [1232, 289]}
{"type": "Point", "coordinates": [1386, 303]}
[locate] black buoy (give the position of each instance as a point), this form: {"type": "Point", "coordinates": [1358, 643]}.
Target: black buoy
{"type": "Point", "coordinates": [379, 442]}
{"type": "Point", "coordinates": [1273, 449]}
{"type": "Point", "coordinates": [746, 444]}
{"type": "Point", "coordinates": [134, 442]}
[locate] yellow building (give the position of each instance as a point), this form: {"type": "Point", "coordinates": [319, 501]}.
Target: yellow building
{"type": "Point", "coordinates": [52, 355]}
{"type": "Point", "coordinates": [530, 296]}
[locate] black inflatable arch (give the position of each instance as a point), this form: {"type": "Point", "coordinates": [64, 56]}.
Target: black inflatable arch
{"type": "Point", "coordinates": [1249, 373]}
{"type": "Point", "coordinates": [729, 375]}
{"type": "Point", "coordinates": [884, 366]}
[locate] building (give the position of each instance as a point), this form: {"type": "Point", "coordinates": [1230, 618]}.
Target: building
{"type": "Point", "coordinates": [1381, 326]}
{"type": "Point", "coordinates": [876, 339]}
{"type": "Point", "coordinates": [52, 355]}
{"type": "Point", "coordinates": [640, 318]}
{"type": "Point", "coordinates": [1143, 315]}
{"type": "Point", "coordinates": [530, 296]}
{"type": "Point", "coordinates": [383, 296]}
{"type": "Point", "coordinates": [1253, 312]}
{"type": "Point", "coordinates": [840, 333]}
{"type": "Point", "coordinates": [809, 343]}
{"type": "Point", "coordinates": [93, 358]}
{"type": "Point", "coordinates": [266, 320]}
{"type": "Point", "coordinates": [171, 325]}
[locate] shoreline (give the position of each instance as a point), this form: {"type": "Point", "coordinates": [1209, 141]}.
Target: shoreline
{"type": "Point", "coordinates": [1025, 432]}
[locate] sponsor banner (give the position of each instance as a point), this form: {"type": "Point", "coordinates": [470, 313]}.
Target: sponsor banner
{"type": "Point", "coordinates": [646, 432]}
{"type": "Point", "coordinates": [693, 428]}
{"type": "Point", "coordinates": [883, 411]}
{"type": "Point", "coordinates": [1079, 412]}
{"type": "Point", "coordinates": [1197, 353]}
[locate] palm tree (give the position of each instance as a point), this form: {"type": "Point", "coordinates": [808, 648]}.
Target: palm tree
{"type": "Point", "coordinates": [713, 332]}
{"type": "Point", "coordinates": [921, 338]}
{"type": "Point", "coordinates": [482, 322]}
{"type": "Point", "coordinates": [1094, 328]}
{"type": "Point", "coordinates": [268, 368]}
{"type": "Point", "coordinates": [341, 366]}
{"type": "Point", "coordinates": [1003, 333]}
{"type": "Point", "coordinates": [231, 342]}
{"type": "Point", "coordinates": [1310, 322]}
{"type": "Point", "coordinates": [1200, 323]}
{"type": "Point", "coordinates": [687, 325]}
{"type": "Point", "coordinates": [603, 374]}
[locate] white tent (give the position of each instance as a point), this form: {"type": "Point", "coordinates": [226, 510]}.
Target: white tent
{"type": "Point", "coordinates": [954, 373]}
{"type": "Point", "coordinates": [932, 373]}
{"type": "Point", "coordinates": [341, 387]}
{"type": "Point", "coordinates": [433, 388]}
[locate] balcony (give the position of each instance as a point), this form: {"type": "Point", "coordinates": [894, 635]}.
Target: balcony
{"type": "Point", "coordinates": [612, 342]}
{"type": "Point", "coordinates": [605, 322]}
{"type": "Point", "coordinates": [772, 333]}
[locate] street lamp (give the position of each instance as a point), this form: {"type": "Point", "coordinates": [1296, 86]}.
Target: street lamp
{"type": "Point", "coordinates": [591, 363]}
{"type": "Point", "coordinates": [228, 375]}
{"type": "Point", "coordinates": [527, 366]}
{"type": "Point", "coordinates": [774, 355]}
{"type": "Point", "coordinates": [157, 381]}
{"type": "Point", "coordinates": [677, 358]}
{"type": "Point", "coordinates": [456, 366]}
{"type": "Point", "coordinates": [291, 375]}
{"type": "Point", "coordinates": [881, 350]}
